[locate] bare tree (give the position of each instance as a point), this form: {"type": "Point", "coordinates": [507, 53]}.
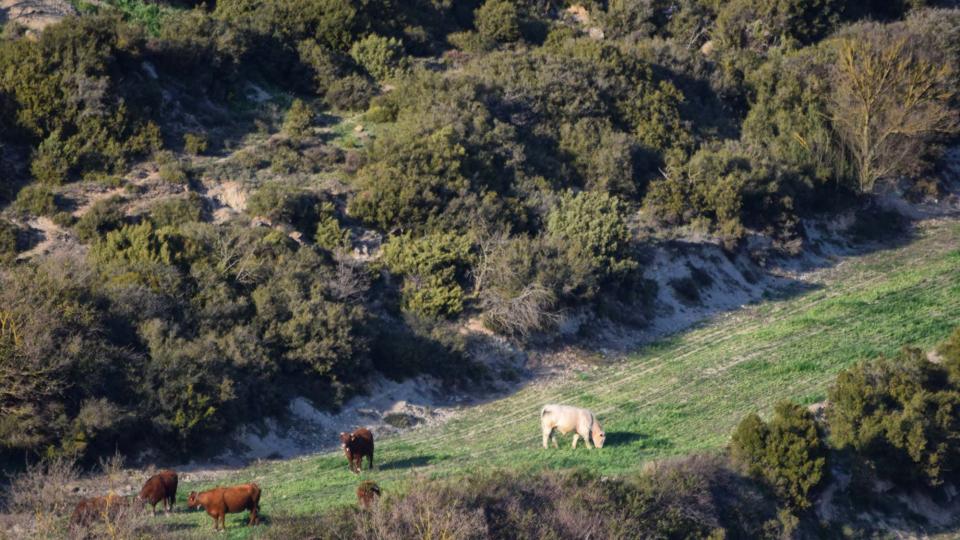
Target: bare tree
{"type": "Point", "coordinates": [888, 102]}
{"type": "Point", "coordinates": [529, 310]}
{"type": "Point", "coordinates": [349, 282]}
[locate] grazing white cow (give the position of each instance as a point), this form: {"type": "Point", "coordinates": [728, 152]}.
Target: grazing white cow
{"type": "Point", "coordinates": [565, 419]}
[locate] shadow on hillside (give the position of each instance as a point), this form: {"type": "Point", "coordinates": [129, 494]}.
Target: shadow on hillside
{"type": "Point", "coordinates": [648, 442]}
{"type": "Point", "coordinates": [408, 463]}
{"type": "Point", "coordinates": [618, 438]}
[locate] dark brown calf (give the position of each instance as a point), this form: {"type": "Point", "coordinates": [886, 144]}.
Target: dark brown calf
{"type": "Point", "coordinates": [220, 501]}
{"type": "Point", "coordinates": [356, 446]}
{"type": "Point", "coordinates": [160, 487]}
{"type": "Point", "coordinates": [367, 492]}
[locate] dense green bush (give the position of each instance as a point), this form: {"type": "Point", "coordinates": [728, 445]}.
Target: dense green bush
{"type": "Point", "coordinates": [433, 268]}
{"type": "Point", "coordinates": [382, 57]}
{"type": "Point", "coordinates": [102, 217]}
{"type": "Point", "coordinates": [788, 452]}
{"type": "Point", "coordinates": [8, 241]}
{"type": "Point", "coordinates": [176, 212]}
{"type": "Point", "coordinates": [410, 180]}
{"type": "Point", "coordinates": [195, 143]}
{"type": "Point", "coordinates": [330, 234]}
{"type": "Point", "coordinates": [720, 187]}
{"type": "Point", "coordinates": [900, 415]}
{"type": "Point", "coordinates": [171, 168]}
{"type": "Point", "coordinates": [789, 122]}
{"type": "Point", "coordinates": [283, 203]}
{"type": "Point", "coordinates": [71, 100]}
{"type": "Point", "coordinates": [298, 119]}
{"type": "Point", "coordinates": [498, 21]}
{"type": "Point", "coordinates": [350, 93]}
{"type": "Point", "coordinates": [37, 200]}
{"type": "Point", "coordinates": [591, 230]}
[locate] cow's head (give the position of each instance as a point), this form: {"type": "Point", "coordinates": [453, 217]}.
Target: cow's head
{"type": "Point", "coordinates": [345, 439]}
{"type": "Point", "coordinates": [599, 437]}
{"type": "Point", "coordinates": [193, 500]}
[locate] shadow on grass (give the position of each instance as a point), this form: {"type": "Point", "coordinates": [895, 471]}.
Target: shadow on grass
{"type": "Point", "coordinates": [623, 438]}
{"type": "Point", "coordinates": [407, 463]}
{"type": "Point", "coordinates": [619, 438]}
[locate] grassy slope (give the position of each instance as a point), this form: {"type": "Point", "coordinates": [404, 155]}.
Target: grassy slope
{"type": "Point", "coordinates": [682, 395]}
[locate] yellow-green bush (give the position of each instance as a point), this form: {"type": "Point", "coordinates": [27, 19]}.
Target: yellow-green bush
{"type": "Point", "coordinates": [433, 267]}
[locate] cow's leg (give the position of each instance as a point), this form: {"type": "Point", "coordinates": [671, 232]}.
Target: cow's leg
{"type": "Point", "coordinates": [586, 440]}
{"type": "Point", "coordinates": [546, 435]}
{"type": "Point", "coordinates": [575, 437]}
{"type": "Point", "coordinates": [553, 435]}
{"type": "Point", "coordinates": [370, 457]}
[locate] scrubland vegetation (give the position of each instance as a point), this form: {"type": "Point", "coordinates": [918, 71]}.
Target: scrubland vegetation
{"type": "Point", "coordinates": [502, 161]}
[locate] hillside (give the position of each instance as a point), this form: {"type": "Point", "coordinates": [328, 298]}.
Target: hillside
{"type": "Point", "coordinates": [230, 230]}
{"type": "Point", "coordinates": [682, 395]}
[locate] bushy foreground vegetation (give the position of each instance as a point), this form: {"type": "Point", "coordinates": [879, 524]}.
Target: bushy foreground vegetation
{"type": "Point", "coordinates": [522, 155]}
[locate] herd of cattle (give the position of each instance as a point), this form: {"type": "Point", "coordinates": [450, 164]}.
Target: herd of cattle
{"type": "Point", "coordinates": [220, 501]}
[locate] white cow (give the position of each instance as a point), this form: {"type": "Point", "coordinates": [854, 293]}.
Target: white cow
{"type": "Point", "coordinates": [565, 419]}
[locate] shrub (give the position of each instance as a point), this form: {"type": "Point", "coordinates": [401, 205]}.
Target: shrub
{"type": "Point", "coordinates": [324, 64]}
{"type": "Point", "coordinates": [70, 100]}
{"type": "Point", "coordinates": [498, 21]}
{"type": "Point", "coordinates": [8, 241]}
{"type": "Point", "coordinates": [195, 143]}
{"type": "Point", "coordinates": [382, 57]}
{"type": "Point", "coordinates": [281, 203]}
{"type": "Point", "coordinates": [471, 42]}
{"type": "Point", "coordinates": [64, 219]}
{"type": "Point", "coordinates": [411, 179]}
{"type": "Point", "coordinates": [433, 267]}
{"type": "Point", "coordinates": [788, 452]}
{"type": "Point", "coordinates": [591, 229]}
{"type": "Point", "coordinates": [52, 161]}
{"type": "Point", "coordinates": [603, 156]}
{"type": "Point", "coordinates": [286, 159]}
{"type": "Point", "coordinates": [714, 186]}
{"type": "Point", "coordinates": [515, 295]}
{"type": "Point", "coordinates": [102, 217]}
{"type": "Point", "coordinates": [171, 169]}
{"type": "Point", "coordinates": [350, 93]}
{"type": "Point", "coordinates": [53, 358]}
{"type": "Point", "coordinates": [36, 199]}
{"type": "Point", "coordinates": [789, 120]}
{"type": "Point", "coordinates": [298, 120]}
{"type": "Point", "coordinates": [899, 415]}
{"type": "Point", "coordinates": [746, 24]}
{"type": "Point", "coordinates": [693, 498]}
{"type": "Point", "coordinates": [330, 235]}
{"type": "Point", "coordinates": [176, 212]}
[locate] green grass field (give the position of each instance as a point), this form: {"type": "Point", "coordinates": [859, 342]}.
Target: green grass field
{"type": "Point", "coordinates": [684, 394]}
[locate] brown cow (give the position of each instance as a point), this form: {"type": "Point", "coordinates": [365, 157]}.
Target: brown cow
{"type": "Point", "coordinates": [356, 445]}
{"type": "Point", "coordinates": [220, 501]}
{"type": "Point", "coordinates": [160, 487]}
{"type": "Point", "coordinates": [367, 491]}
{"type": "Point", "coordinates": [96, 508]}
